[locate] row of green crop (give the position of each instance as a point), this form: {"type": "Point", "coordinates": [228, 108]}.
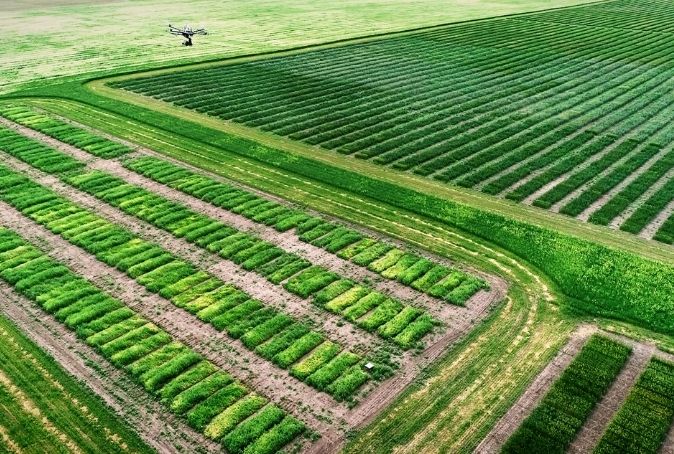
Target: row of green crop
{"type": "Point", "coordinates": [648, 210]}
{"type": "Point", "coordinates": [208, 398]}
{"type": "Point", "coordinates": [596, 190]}
{"type": "Point", "coordinates": [244, 249]}
{"type": "Point", "coordinates": [40, 156]}
{"type": "Point", "coordinates": [633, 191]}
{"type": "Point", "coordinates": [646, 416]}
{"type": "Point", "coordinates": [213, 301]}
{"type": "Point", "coordinates": [558, 418]}
{"type": "Point", "coordinates": [60, 130]}
{"type": "Point", "coordinates": [332, 115]}
{"type": "Point", "coordinates": [386, 260]}
{"type": "Point", "coordinates": [372, 311]}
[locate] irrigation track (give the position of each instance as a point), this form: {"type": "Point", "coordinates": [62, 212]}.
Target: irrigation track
{"type": "Point", "coordinates": [289, 240]}
{"type": "Point", "coordinates": [159, 428]}
{"type": "Point", "coordinates": [535, 392]}
{"type": "Point", "coordinates": [498, 361]}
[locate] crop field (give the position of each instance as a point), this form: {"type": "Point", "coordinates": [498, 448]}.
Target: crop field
{"type": "Point", "coordinates": [523, 108]}
{"type": "Point", "coordinates": [383, 226]}
{"type": "Point", "coordinates": [284, 312]}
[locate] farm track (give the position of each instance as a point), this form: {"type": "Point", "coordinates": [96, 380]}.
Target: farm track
{"type": "Point", "coordinates": [159, 428]}
{"type": "Point", "coordinates": [509, 423]}
{"type": "Point", "coordinates": [216, 346]}
{"type": "Point", "coordinates": [288, 240]}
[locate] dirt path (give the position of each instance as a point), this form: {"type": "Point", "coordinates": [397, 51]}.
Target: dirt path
{"type": "Point", "coordinates": [159, 428]}
{"type": "Point", "coordinates": [300, 399]}
{"type": "Point", "coordinates": [603, 200]}
{"type": "Point", "coordinates": [286, 240]}
{"type": "Point", "coordinates": [601, 416]}
{"type": "Point", "coordinates": [493, 442]}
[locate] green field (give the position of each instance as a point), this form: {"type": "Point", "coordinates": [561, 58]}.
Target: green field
{"type": "Point", "coordinates": [466, 108]}
{"type": "Point", "coordinates": [357, 227]}
{"type": "Point", "coordinates": [50, 39]}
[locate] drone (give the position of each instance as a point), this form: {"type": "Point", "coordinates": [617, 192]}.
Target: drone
{"type": "Point", "coordinates": [187, 33]}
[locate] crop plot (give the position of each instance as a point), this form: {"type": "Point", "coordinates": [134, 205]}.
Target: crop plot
{"type": "Point", "coordinates": [379, 289]}
{"type": "Point", "coordinates": [612, 396]}
{"type": "Point", "coordinates": [586, 132]}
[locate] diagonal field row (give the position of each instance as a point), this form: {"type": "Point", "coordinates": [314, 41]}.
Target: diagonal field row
{"type": "Point", "coordinates": [63, 193]}
{"type": "Point", "coordinates": [611, 395]}
{"type": "Point", "coordinates": [269, 218]}
{"type": "Point", "coordinates": [555, 109]}
{"type": "Point", "coordinates": [210, 399]}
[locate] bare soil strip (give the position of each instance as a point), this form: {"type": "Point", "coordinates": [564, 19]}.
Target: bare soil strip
{"type": "Point", "coordinates": [286, 240]}
{"type": "Point", "coordinates": [159, 428]}
{"type": "Point", "coordinates": [276, 384]}
{"type": "Point", "coordinates": [535, 392]}
{"type": "Point", "coordinates": [603, 200]}
{"type": "Point", "coordinates": [594, 427]}
{"type": "Point", "coordinates": [622, 217]}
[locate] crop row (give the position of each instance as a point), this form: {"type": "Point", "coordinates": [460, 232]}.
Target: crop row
{"type": "Point", "coordinates": [207, 397]}
{"type": "Point", "coordinates": [633, 191]}
{"type": "Point", "coordinates": [466, 117]}
{"type": "Point", "coordinates": [388, 261]}
{"type": "Point", "coordinates": [244, 249]}
{"type": "Point", "coordinates": [270, 333]}
{"type": "Point", "coordinates": [556, 421]}
{"type": "Point", "coordinates": [645, 417]}
{"type": "Point", "coordinates": [60, 130]}
{"type": "Point", "coordinates": [609, 181]}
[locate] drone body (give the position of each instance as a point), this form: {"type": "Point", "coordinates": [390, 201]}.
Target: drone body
{"type": "Point", "coordinates": [187, 33]}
